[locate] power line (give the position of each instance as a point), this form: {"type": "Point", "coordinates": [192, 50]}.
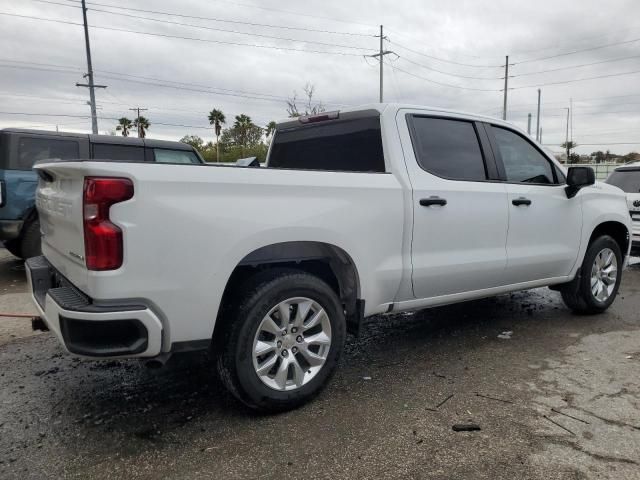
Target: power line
{"type": "Point", "coordinates": [180, 37]}
{"type": "Point", "coordinates": [596, 144]}
{"type": "Point", "coordinates": [288, 12]}
{"type": "Point", "coordinates": [418, 40]}
{"type": "Point", "coordinates": [200, 88]}
{"type": "Point", "coordinates": [578, 66]}
{"type": "Point", "coordinates": [573, 52]}
{"type": "Point", "coordinates": [577, 80]}
{"type": "Point", "coordinates": [212, 19]}
{"type": "Point", "coordinates": [203, 27]}
{"type": "Point", "coordinates": [448, 73]}
{"type": "Point", "coordinates": [432, 57]}
{"type": "Point", "coordinates": [446, 84]}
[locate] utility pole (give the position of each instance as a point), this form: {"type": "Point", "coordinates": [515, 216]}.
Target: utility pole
{"type": "Point", "coordinates": [529, 124]}
{"type": "Point", "coordinates": [571, 107]}
{"type": "Point", "coordinates": [538, 129]}
{"type": "Point", "coordinates": [506, 87]}
{"type": "Point", "coordinates": [566, 142]}
{"type": "Point", "coordinates": [138, 110]}
{"type": "Point", "coordinates": [89, 75]}
{"type": "Point", "coordinates": [381, 55]}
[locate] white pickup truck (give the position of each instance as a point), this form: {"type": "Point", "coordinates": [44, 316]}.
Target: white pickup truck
{"type": "Point", "coordinates": [374, 210]}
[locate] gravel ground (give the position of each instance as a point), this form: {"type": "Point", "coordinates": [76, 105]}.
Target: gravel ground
{"type": "Point", "coordinates": [559, 398]}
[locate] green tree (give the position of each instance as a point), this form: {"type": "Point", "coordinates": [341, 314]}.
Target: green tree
{"type": "Point", "coordinates": [195, 141]}
{"type": "Point", "coordinates": [124, 125]}
{"type": "Point", "coordinates": [217, 119]}
{"type": "Point", "coordinates": [599, 156]}
{"type": "Point", "coordinates": [270, 129]}
{"type": "Point", "coordinates": [568, 146]}
{"type": "Point", "coordinates": [244, 132]}
{"type": "Point", "coordinates": [142, 124]}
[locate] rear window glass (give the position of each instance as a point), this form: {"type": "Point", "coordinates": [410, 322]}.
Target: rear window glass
{"type": "Point", "coordinates": [349, 145]}
{"type": "Point", "coordinates": [121, 153]}
{"type": "Point", "coordinates": [33, 149]}
{"type": "Point", "coordinates": [174, 156]}
{"type": "Point", "coordinates": [627, 180]}
{"type": "Point", "coordinates": [448, 148]}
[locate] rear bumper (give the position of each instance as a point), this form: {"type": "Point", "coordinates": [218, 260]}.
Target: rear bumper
{"type": "Point", "coordinates": [91, 328]}
{"type": "Point", "coordinates": [10, 229]}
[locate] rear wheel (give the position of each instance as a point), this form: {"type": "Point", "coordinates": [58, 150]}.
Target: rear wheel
{"type": "Point", "coordinates": [13, 246]}
{"type": "Point", "coordinates": [595, 287]}
{"type": "Point", "coordinates": [282, 341]}
{"type": "Point", "coordinates": [30, 242]}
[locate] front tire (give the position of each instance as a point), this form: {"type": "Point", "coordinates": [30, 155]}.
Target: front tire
{"type": "Point", "coordinates": [596, 285]}
{"type": "Point", "coordinates": [281, 340]}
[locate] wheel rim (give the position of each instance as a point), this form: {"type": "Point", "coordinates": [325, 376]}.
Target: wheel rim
{"type": "Point", "coordinates": [604, 275]}
{"type": "Point", "coordinates": [291, 344]}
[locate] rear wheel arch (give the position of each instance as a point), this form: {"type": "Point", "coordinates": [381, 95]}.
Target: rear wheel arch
{"type": "Point", "coordinates": [328, 262]}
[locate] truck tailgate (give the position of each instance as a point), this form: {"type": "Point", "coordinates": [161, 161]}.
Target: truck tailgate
{"type": "Point", "coordinates": [59, 203]}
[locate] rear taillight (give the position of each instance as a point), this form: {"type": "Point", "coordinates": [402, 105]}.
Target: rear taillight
{"type": "Point", "coordinates": [102, 239]}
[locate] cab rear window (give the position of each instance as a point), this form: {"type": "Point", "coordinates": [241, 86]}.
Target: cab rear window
{"type": "Point", "coordinates": [348, 145]}
{"type": "Point", "coordinates": [34, 149]}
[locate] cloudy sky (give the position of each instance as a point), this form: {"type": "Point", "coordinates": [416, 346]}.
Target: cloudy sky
{"type": "Point", "coordinates": [182, 58]}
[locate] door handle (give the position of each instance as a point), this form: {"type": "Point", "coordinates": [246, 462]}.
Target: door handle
{"type": "Point", "coordinates": [521, 201]}
{"type": "Point", "coordinates": [427, 202]}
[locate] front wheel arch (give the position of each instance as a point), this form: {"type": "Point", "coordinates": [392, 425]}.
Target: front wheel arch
{"type": "Point", "coordinates": [616, 230]}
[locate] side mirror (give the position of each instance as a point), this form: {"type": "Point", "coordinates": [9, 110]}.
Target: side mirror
{"type": "Point", "coordinates": [577, 178]}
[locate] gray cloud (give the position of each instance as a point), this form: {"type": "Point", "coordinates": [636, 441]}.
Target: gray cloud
{"type": "Point", "coordinates": [256, 81]}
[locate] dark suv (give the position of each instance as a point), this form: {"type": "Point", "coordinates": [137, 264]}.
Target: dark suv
{"type": "Point", "coordinates": [20, 149]}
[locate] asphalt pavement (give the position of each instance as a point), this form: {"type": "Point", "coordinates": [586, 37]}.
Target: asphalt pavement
{"type": "Point", "coordinates": [555, 396]}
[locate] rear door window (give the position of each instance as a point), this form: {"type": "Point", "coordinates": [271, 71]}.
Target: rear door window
{"type": "Point", "coordinates": [448, 148]}
{"type": "Point", "coordinates": [163, 155]}
{"type": "Point", "coordinates": [348, 145]}
{"type": "Point", "coordinates": [33, 149]}
{"type": "Point", "coordinates": [627, 180]}
{"type": "Point", "coordinates": [119, 153]}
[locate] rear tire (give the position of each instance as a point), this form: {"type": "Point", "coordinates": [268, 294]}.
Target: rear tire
{"type": "Point", "coordinates": [13, 246]}
{"type": "Point", "coordinates": [597, 282]}
{"type": "Point", "coordinates": [30, 244]}
{"type": "Point", "coordinates": [313, 330]}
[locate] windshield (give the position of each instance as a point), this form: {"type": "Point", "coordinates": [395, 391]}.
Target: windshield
{"type": "Point", "coordinates": [627, 180]}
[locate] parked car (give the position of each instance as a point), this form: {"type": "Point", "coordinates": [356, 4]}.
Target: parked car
{"type": "Point", "coordinates": [627, 178]}
{"type": "Point", "coordinates": [367, 211]}
{"type": "Point", "coordinates": [20, 149]}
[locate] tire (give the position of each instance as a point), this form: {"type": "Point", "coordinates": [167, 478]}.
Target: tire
{"type": "Point", "coordinates": [13, 246]}
{"type": "Point", "coordinates": [290, 381]}
{"type": "Point", "coordinates": [30, 241]}
{"type": "Point", "coordinates": [28, 244]}
{"type": "Point", "coordinates": [579, 295]}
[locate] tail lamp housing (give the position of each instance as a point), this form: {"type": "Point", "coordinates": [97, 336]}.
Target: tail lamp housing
{"type": "Point", "coordinates": [103, 246]}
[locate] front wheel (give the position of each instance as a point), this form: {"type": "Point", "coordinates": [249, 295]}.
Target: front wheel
{"type": "Point", "coordinates": [597, 283]}
{"type": "Point", "coordinates": [282, 341]}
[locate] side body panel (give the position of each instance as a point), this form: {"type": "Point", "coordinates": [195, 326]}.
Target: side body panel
{"type": "Point", "coordinates": [187, 227]}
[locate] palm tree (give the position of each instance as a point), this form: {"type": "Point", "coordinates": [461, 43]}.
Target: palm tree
{"type": "Point", "coordinates": [242, 124]}
{"type": "Point", "coordinates": [270, 130]}
{"type": "Point", "coordinates": [124, 124]}
{"type": "Point", "coordinates": [142, 124]}
{"type": "Point", "coordinates": [216, 118]}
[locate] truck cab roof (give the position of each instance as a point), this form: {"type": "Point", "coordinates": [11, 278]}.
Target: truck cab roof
{"type": "Point", "coordinates": [110, 139]}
